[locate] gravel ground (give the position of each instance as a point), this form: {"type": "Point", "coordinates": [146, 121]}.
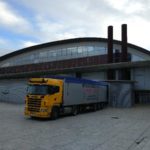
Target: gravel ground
{"type": "Point", "coordinates": [108, 129]}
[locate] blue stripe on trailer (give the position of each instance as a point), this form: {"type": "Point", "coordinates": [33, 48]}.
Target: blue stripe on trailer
{"type": "Point", "coordinates": [77, 80]}
{"type": "Point", "coordinates": [85, 81]}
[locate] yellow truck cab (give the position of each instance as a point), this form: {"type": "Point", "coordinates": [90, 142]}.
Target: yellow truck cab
{"type": "Point", "coordinates": [44, 96]}
{"type": "Point", "coordinates": [50, 97]}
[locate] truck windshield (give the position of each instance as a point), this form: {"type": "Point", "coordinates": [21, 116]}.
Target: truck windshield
{"type": "Point", "coordinates": [42, 89]}
{"type": "Point", "coordinates": [37, 89]}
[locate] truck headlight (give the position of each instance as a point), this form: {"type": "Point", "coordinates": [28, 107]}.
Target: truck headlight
{"type": "Point", "coordinates": [43, 109]}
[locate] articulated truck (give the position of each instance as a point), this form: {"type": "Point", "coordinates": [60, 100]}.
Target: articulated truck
{"type": "Point", "coordinates": [52, 96]}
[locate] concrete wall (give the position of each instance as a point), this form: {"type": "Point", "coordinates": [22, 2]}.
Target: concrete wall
{"type": "Point", "coordinates": [95, 76]}
{"type": "Point", "coordinates": [142, 76]}
{"type": "Point", "coordinates": [121, 94]}
{"type": "Point", "coordinates": [13, 90]}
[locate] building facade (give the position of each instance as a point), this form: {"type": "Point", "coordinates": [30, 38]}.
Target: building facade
{"type": "Point", "coordinates": [80, 57]}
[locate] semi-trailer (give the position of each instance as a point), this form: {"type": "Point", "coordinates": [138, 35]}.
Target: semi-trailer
{"type": "Point", "coordinates": [52, 96]}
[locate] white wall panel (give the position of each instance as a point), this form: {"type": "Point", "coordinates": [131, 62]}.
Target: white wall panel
{"type": "Point", "coordinates": [95, 76]}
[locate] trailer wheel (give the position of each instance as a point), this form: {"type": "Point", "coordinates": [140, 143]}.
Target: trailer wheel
{"type": "Point", "coordinates": [74, 110]}
{"type": "Point", "coordinates": [102, 105]}
{"type": "Point", "coordinates": [95, 107]}
{"type": "Point", "coordinates": [55, 113]}
{"type": "Point", "coordinates": [99, 106]}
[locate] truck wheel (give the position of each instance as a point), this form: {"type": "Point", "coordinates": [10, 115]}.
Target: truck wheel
{"type": "Point", "coordinates": [74, 110]}
{"type": "Point", "coordinates": [55, 113]}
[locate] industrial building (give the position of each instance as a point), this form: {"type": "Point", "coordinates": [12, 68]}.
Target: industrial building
{"type": "Point", "coordinates": [117, 62]}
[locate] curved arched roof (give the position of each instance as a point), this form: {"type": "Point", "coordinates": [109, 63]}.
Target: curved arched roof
{"type": "Point", "coordinates": [68, 41]}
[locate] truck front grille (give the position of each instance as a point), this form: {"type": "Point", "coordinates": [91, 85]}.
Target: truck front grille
{"type": "Point", "coordinates": [34, 105]}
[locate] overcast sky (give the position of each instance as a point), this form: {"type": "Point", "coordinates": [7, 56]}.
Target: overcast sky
{"type": "Point", "coordinates": [25, 23]}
